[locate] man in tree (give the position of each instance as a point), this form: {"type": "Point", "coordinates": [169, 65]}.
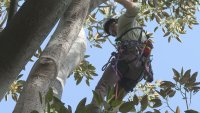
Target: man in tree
{"type": "Point", "coordinates": [131, 63]}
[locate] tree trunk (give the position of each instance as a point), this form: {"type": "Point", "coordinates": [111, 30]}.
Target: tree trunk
{"type": "Point", "coordinates": [24, 34]}
{"type": "Point", "coordinates": [56, 60]}
{"type": "Point", "coordinates": [42, 76]}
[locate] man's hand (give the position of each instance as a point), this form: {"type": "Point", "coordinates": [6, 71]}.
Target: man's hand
{"type": "Point", "coordinates": [128, 4]}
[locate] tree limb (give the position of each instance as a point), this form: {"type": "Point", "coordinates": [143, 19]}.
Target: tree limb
{"type": "Point", "coordinates": [57, 54]}
{"type": "Point", "coordinates": [12, 9]}
{"type": "Point", "coordinates": [22, 37]}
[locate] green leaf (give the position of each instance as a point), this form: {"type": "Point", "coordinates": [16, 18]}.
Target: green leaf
{"type": "Point", "coordinates": [97, 98]}
{"type": "Point", "coordinates": [86, 56]}
{"type": "Point", "coordinates": [135, 100]}
{"type": "Point", "coordinates": [152, 16]}
{"type": "Point", "coordinates": [167, 84]}
{"type": "Point", "coordinates": [126, 107]}
{"type": "Point", "coordinates": [146, 12]}
{"type": "Point", "coordinates": [48, 108]}
{"type": "Point", "coordinates": [178, 39]}
{"type": "Point", "coordinates": [81, 106]}
{"type": "Point", "coordinates": [144, 102]}
{"type": "Point", "coordinates": [185, 77]}
{"type": "Point", "coordinates": [110, 94]}
{"type": "Point", "coordinates": [176, 75]}
{"type": "Point", "coordinates": [193, 77]}
{"type": "Point", "coordinates": [116, 103]}
{"type": "Point", "coordinates": [166, 34]}
{"type": "Point", "coordinates": [172, 93]}
{"type": "Point", "coordinates": [157, 103]}
{"type": "Point", "coordinates": [98, 46]}
{"type": "Point", "coordinates": [158, 20]}
{"type": "Point", "coordinates": [106, 105]}
{"type": "Point", "coordinates": [191, 111]}
{"type": "Point", "coordinates": [79, 79]}
{"type": "Point", "coordinates": [156, 111]}
{"type": "Point", "coordinates": [162, 93]}
{"type": "Point", "coordinates": [165, 14]}
{"type": "Point", "coordinates": [87, 82]}
{"type": "Point", "coordinates": [49, 96]}
{"type": "Point", "coordinates": [155, 29]}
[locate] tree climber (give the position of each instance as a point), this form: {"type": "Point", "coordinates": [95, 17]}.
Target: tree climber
{"type": "Point", "coordinates": [131, 62]}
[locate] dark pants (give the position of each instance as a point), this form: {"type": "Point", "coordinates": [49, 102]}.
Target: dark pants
{"type": "Point", "coordinates": [130, 72]}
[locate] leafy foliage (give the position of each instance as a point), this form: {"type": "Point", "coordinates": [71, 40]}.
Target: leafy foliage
{"type": "Point", "coordinates": [173, 16]}
{"type": "Point", "coordinates": [55, 105]}
{"type": "Point", "coordinates": [85, 69]}
{"type": "Point", "coordinates": [15, 88]}
{"type": "Point", "coordinates": [153, 96]}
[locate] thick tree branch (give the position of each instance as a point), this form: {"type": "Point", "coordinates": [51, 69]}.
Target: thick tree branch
{"type": "Point", "coordinates": [12, 9]}
{"type": "Point", "coordinates": [43, 75]}
{"type": "Point", "coordinates": [22, 37]}
{"type": "Point", "coordinates": [57, 60]}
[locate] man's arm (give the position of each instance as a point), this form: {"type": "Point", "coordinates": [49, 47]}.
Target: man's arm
{"type": "Point", "coordinates": [132, 7]}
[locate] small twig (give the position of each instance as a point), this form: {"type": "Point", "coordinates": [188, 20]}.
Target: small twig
{"type": "Point", "coordinates": [181, 91]}
{"type": "Point", "coordinates": [186, 102]}
{"type": "Point", "coordinates": [169, 106]}
{"type": "Point", "coordinates": [190, 97]}
{"type": "Point", "coordinates": [111, 42]}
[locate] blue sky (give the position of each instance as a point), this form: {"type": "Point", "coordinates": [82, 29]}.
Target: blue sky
{"type": "Point", "coordinates": [165, 57]}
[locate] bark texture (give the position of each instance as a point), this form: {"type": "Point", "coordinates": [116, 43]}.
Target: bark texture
{"type": "Point", "coordinates": [57, 60]}
{"type": "Point", "coordinates": [12, 9]}
{"type": "Point", "coordinates": [43, 75]}
{"type": "Point", "coordinates": [24, 34]}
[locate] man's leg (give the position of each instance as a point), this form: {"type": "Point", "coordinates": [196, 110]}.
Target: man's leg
{"type": "Point", "coordinates": [108, 79]}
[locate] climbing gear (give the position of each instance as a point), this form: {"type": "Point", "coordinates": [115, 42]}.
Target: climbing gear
{"type": "Point", "coordinates": [133, 28]}
{"type": "Point", "coordinates": [142, 53]}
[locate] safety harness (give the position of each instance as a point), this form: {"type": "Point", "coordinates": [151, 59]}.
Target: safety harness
{"type": "Point", "coordinates": [142, 51]}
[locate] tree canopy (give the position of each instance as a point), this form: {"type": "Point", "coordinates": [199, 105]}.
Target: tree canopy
{"type": "Point", "coordinates": [172, 17]}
